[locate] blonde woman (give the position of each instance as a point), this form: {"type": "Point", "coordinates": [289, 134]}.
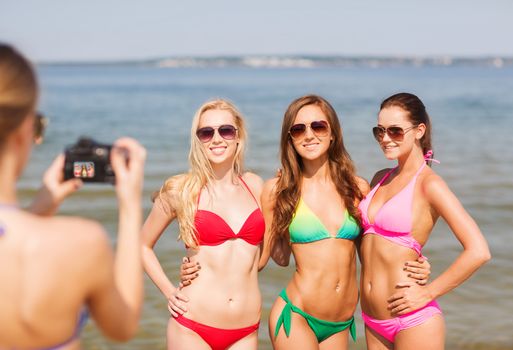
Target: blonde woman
{"type": "Point", "coordinates": [217, 208]}
{"type": "Point", "coordinates": [54, 271]}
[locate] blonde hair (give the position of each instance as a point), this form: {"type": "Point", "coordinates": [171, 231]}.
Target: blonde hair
{"type": "Point", "coordinates": [18, 89]}
{"type": "Point", "coordinates": [180, 193]}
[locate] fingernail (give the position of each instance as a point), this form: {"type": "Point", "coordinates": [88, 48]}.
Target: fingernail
{"type": "Point", "coordinates": [409, 275]}
{"type": "Point", "coordinates": [197, 274]}
{"type": "Point", "coordinates": [404, 268]}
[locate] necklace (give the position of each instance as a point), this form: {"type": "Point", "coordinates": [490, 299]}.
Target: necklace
{"type": "Point", "coordinates": [4, 206]}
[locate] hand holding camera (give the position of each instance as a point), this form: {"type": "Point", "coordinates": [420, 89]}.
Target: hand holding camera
{"type": "Point", "coordinates": [54, 189]}
{"type": "Point", "coordinates": [121, 164]}
{"type": "Point", "coordinates": [91, 161]}
{"type": "Point", "coordinates": [127, 159]}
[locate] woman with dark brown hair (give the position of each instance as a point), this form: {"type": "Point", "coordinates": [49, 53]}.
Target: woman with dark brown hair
{"type": "Point", "coordinates": [55, 271]}
{"type": "Point", "coordinates": [398, 216]}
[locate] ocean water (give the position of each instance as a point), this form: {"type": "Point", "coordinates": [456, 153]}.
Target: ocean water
{"type": "Point", "coordinates": [472, 114]}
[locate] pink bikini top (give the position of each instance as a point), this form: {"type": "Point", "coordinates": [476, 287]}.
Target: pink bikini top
{"type": "Point", "coordinates": [393, 221]}
{"type": "Point", "coordinates": [213, 230]}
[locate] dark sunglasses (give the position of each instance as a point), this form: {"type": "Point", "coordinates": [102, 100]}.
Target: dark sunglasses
{"type": "Point", "coordinates": [40, 123]}
{"type": "Point", "coordinates": [396, 133]}
{"type": "Point", "coordinates": [319, 128]}
{"type": "Point", "coordinates": [227, 132]}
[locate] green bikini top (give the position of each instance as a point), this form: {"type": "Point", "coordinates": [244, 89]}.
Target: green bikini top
{"type": "Point", "coordinates": [306, 227]}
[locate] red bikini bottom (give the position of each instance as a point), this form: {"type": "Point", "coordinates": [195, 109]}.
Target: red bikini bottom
{"type": "Point", "coordinates": [217, 338]}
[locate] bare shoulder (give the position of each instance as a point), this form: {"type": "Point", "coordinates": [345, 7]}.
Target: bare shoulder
{"type": "Point", "coordinates": [268, 192]}
{"type": "Point", "coordinates": [169, 194]}
{"type": "Point", "coordinates": [80, 232]}
{"type": "Point", "coordinates": [378, 176]}
{"type": "Point", "coordinates": [363, 185]}
{"type": "Point", "coordinates": [174, 184]}
{"type": "Point", "coordinates": [80, 244]}
{"type": "Point", "coordinates": [254, 181]}
{"type": "Point", "coordinates": [433, 186]}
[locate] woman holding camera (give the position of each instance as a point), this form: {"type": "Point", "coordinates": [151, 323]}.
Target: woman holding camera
{"type": "Point", "coordinates": [55, 271]}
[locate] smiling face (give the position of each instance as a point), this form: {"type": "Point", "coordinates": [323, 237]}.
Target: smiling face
{"type": "Point", "coordinates": [219, 149]}
{"type": "Point", "coordinates": [396, 146]}
{"type": "Point", "coordinates": [314, 142]}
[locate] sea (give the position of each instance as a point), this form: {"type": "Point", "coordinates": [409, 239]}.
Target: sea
{"type": "Point", "coordinates": [471, 107]}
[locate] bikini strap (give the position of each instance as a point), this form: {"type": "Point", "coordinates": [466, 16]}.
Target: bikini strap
{"type": "Point", "coordinates": [386, 176]}
{"type": "Point", "coordinates": [285, 318]}
{"type": "Point", "coordinates": [198, 201]}
{"type": "Point", "coordinates": [428, 157]}
{"type": "Point", "coordinates": [245, 185]}
{"type": "Point", "coordinates": [419, 171]}
{"type": "Point", "coordinates": [251, 193]}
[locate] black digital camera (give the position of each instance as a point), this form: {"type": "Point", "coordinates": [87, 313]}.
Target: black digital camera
{"type": "Point", "coordinates": [89, 161]}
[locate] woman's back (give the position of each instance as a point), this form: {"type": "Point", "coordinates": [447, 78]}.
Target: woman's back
{"type": "Point", "coordinates": [48, 268]}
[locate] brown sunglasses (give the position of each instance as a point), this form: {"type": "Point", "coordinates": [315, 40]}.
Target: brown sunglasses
{"type": "Point", "coordinates": [396, 133]}
{"type": "Point", "coordinates": [318, 127]}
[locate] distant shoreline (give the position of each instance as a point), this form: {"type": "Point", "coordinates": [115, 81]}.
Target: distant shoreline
{"type": "Point", "coordinates": [299, 61]}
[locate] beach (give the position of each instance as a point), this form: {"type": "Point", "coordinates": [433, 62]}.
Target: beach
{"type": "Point", "coordinates": [472, 113]}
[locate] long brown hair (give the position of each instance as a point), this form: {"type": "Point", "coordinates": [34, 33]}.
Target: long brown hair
{"type": "Point", "coordinates": [288, 186]}
{"type": "Point", "coordinates": [18, 90]}
{"type": "Point", "coordinates": [416, 113]}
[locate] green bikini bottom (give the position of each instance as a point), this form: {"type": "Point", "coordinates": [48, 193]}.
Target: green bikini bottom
{"type": "Point", "coordinates": [322, 329]}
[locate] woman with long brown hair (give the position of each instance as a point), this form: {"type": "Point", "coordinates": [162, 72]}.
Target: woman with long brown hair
{"type": "Point", "coordinates": [312, 209]}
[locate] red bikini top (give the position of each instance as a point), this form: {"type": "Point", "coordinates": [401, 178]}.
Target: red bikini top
{"type": "Point", "coordinates": [213, 230]}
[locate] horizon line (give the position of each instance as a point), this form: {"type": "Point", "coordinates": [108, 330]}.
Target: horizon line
{"type": "Point", "coordinates": [294, 60]}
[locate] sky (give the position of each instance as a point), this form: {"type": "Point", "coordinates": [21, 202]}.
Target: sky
{"type": "Point", "coordinates": [108, 30]}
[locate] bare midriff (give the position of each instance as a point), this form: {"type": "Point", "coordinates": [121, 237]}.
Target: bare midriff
{"type": "Point", "coordinates": [382, 268]}
{"type": "Point", "coordinates": [226, 292]}
{"type": "Point", "coordinates": [324, 283]}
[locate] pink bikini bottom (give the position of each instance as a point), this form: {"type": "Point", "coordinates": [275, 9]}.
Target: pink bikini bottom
{"type": "Point", "coordinates": [390, 327]}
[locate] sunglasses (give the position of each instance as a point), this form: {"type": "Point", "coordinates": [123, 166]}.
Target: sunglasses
{"type": "Point", "coordinates": [40, 123]}
{"type": "Point", "coordinates": [319, 128]}
{"type": "Point", "coordinates": [396, 133]}
{"type": "Point", "coordinates": [227, 132]}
